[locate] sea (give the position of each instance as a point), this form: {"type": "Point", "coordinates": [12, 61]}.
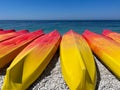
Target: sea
{"type": "Point", "coordinates": [62, 25]}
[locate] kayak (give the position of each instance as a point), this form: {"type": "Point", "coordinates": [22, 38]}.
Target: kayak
{"type": "Point", "coordinates": [106, 50]}
{"type": "Point", "coordinates": [7, 36]}
{"type": "Point", "coordinates": [31, 62]}
{"type": "Point", "coordinates": [11, 48]}
{"type": "Point", "coordinates": [7, 31]}
{"type": "Point", "coordinates": [113, 35]}
{"type": "Point", "coordinates": [77, 62]}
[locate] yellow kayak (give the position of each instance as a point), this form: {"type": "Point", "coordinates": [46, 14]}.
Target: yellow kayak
{"type": "Point", "coordinates": [31, 62]}
{"type": "Point", "coordinates": [77, 62]}
{"type": "Point", "coordinates": [106, 49]}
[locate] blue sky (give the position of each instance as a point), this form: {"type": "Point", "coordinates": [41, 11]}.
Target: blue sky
{"type": "Point", "coordinates": [60, 9]}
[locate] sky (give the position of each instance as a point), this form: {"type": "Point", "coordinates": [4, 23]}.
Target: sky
{"type": "Point", "coordinates": [59, 9]}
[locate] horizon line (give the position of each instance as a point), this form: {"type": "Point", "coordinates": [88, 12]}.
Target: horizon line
{"type": "Point", "coordinates": [61, 19]}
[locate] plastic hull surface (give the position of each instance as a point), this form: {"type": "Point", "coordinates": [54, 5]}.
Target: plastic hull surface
{"type": "Point", "coordinates": [7, 31]}
{"type": "Point", "coordinates": [31, 62]}
{"type": "Point", "coordinates": [113, 35]}
{"type": "Point", "coordinates": [10, 48]}
{"type": "Point", "coordinates": [78, 67]}
{"type": "Point", "coordinates": [11, 35]}
{"type": "Point", "coordinates": [106, 49]}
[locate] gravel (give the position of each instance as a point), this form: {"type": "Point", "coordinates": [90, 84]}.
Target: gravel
{"type": "Point", "coordinates": [51, 78]}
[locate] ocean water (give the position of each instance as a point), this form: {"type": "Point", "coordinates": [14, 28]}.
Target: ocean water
{"type": "Point", "coordinates": [62, 25]}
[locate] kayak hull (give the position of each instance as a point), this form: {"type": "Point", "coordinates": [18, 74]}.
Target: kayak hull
{"type": "Point", "coordinates": [31, 62]}
{"type": "Point", "coordinates": [7, 31]}
{"type": "Point", "coordinates": [105, 49]}
{"type": "Point", "coordinates": [7, 36]}
{"type": "Point", "coordinates": [113, 35]}
{"type": "Point", "coordinates": [77, 63]}
{"type": "Point", "coordinates": [11, 48]}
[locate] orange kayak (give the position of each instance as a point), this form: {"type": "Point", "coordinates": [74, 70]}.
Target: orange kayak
{"type": "Point", "coordinates": [106, 49]}
{"type": "Point", "coordinates": [11, 48]}
{"type": "Point", "coordinates": [113, 35]}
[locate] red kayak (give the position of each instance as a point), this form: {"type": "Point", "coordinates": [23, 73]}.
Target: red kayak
{"type": "Point", "coordinates": [106, 49]}
{"type": "Point", "coordinates": [7, 31]}
{"type": "Point", "coordinates": [7, 36]}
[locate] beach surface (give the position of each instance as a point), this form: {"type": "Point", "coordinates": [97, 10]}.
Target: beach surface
{"type": "Point", "coordinates": [51, 78]}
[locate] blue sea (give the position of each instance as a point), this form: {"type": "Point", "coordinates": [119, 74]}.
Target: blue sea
{"type": "Point", "coordinates": [62, 25]}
